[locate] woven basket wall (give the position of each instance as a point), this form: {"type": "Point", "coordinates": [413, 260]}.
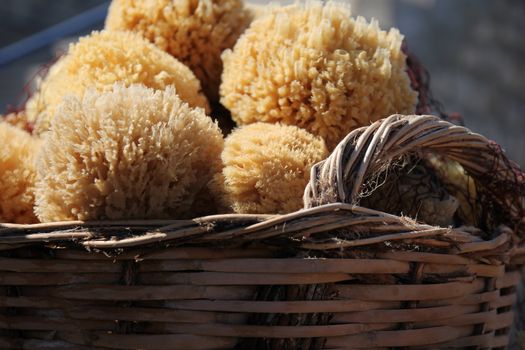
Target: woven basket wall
{"type": "Point", "coordinates": [332, 276]}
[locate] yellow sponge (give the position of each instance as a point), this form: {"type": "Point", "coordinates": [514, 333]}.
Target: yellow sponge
{"type": "Point", "coordinates": [103, 58]}
{"type": "Point", "coordinates": [17, 175]}
{"type": "Point", "coordinates": [267, 167]}
{"type": "Point", "coordinates": [316, 67]}
{"type": "Point", "coordinates": [194, 31]}
{"type": "Point", "coordinates": [132, 152]}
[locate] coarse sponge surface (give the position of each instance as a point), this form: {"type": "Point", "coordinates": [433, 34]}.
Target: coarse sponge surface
{"type": "Point", "coordinates": [267, 167]}
{"type": "Point", "coordinates": [17, 175]}
{"type": "Point", "coordinates": [104, 58]}
{"type": "Point", "coordinates": [130, 153]}
{"type": "Point", "coordinates": [194, 31]}
{"type": "Point", "coordinates": [314, 66]}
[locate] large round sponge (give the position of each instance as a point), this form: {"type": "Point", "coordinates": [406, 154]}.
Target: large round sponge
{"type": "Point", "coordinates": [267, 167]}
{"type": "Point", "coordinates": [17, 175]}
{"type": "Point", "coordinates": [314, 66]}
{"type": "Point", "coordinates": [194, 31]}
{"type": "Point", "coordinates": [130, 153]}
{"type": "Point", "coordinates": [103, 58]}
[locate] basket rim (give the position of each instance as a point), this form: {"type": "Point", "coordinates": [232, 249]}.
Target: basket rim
{"type": "Point", "coordinates": [301, 227]}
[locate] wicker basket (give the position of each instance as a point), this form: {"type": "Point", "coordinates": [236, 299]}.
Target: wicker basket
{"type": "Point", "coordinates": [332, 276]}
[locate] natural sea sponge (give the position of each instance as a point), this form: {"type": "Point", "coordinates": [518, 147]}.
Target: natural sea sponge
{"type": "Point", "coordinates": [17, 175]}
{"type": "Point", "coordinates": [103, 58]}
{"type": "Point", "coordinates": [313, 66]}
{"type": "Point", "coordinates": [194, 31]}
{"type": "Point", "coordinates": [267, 167]}
{"type": "Point", "coordinates": [132, 152]}
{"type": "Point", "coordinates": [20, 121]}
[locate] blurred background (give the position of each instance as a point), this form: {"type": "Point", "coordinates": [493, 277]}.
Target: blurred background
{"type": "Point", "coordinates": [473, 49]}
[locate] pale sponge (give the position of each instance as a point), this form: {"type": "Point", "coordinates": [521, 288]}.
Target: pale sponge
{"type": "Point", "coordinates": [18, 150]}
{"type": "Point", "coordinates": [103, 58]}
{"type": "Point", "coordinates": [314, 66]}
{"type": "Point", "coordinates": [267, 167]}
{"type": "Point", "coordinates": [128, 153]}
{"type": "Point", "coordinates": [194, 31]}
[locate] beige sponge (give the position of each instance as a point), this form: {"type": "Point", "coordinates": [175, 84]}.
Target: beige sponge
{"type": "Point", "coordinates": [314, 66]}
{"type": "Point", "coordinates": [103, 58]}
{"type": "Point", "coordinates": [194, 31]}
{"type": "Point", "coordinates": [267, 167]}
{"type": "Point", "coordinates": [132, 152]}
{"type": "Point", "coordinates": [17, 175]}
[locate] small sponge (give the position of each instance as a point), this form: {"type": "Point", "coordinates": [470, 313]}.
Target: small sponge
{"type": "Point", "coordinates": [194, 31]}
{"type": "Point", "coordinates": [267, 167]}
{"type": "Point", "coordinates": [17, 175]}
{"type": "Point", "coordinates": [313, 66]}
{"type": "Point", "coordinates": [132, 152]}
{"type": "Point", "coordinates": [103, 58]}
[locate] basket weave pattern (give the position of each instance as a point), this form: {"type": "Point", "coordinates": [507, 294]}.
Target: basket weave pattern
{"type": "Point", "coordinates": [332, 276]}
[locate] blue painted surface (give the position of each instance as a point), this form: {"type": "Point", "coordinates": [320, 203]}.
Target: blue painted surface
{"type": "Point", "coordinates": [52, 34]}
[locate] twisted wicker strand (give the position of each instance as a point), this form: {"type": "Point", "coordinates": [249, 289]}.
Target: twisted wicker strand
{"type": "Point", "coordinates": [364, 151]}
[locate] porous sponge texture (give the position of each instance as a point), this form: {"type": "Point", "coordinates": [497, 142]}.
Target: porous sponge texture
{"type": "Point", "coordinates": [17, 175]}
{"type": "Point", "coordinates": [103, 58]}
{"type": "Point", "coordinates": [194, 31]}
{"type": "Point", "coordinates": [267, 167]}
{"type": "Point", "coordinates": [316, 67]}
{"type": "Point", "coordinates": [132, 152]}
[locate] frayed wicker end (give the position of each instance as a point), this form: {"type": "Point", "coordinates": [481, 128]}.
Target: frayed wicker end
{"type": "Point", "coordinates": [335, 275]}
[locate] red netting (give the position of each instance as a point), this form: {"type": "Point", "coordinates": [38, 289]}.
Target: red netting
{"type": "Point", "coordinates": [499, 201]}
{"type": "Point", "coordinates": [16, 113]}
{"type": "Point", "coordinates": [27, 89]}
{"type": "Point", "coordinates": [420, 82]}
{"type": "Point", "coordinates": [501, 197]}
